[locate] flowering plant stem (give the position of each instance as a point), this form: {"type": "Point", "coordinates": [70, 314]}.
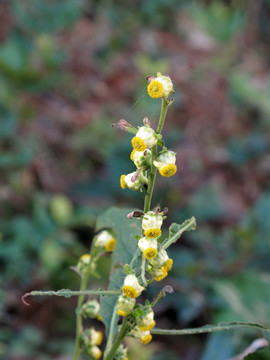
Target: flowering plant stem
{"type": "Point", "coordinates": [147, 205]}
{"type": "Point", "coordinates": [153, 171]}
{"type": "Point", "coordinates": [125, 327]}
{"type": "Point", "coordinates": [83, 286]}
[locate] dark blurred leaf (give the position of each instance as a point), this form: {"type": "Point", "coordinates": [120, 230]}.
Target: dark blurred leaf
{"type": "Point", "coordinates": [263, 354]}
{"type": "Point", "coordinates": [218, 347]}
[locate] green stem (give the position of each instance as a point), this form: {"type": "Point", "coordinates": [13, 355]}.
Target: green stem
{"type": "Point", "coordinates": [125, 327]}
{"type": "Point", "coordinates": [153, 170]}
{"type": "Point", "coordinates": [79, 319]}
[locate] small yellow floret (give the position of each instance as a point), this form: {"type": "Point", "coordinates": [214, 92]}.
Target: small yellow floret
{"type": "Point", "coordinates": [130, 291]}
{"type": "Point", "coordinates": [168, 264]}
{"type": "Point", "coordinates": [99, 318]}
{"type": "Point", "coordinates": [132, 154]}
{"type": "Point", "coordinates": [168, 170]}
{"type": "Point", "coordinates": [152, 233]}
{"type": "Point", "coordinates": [146, 339]}
{"type": "Point", "coordinates": [122, 313]}
{"type": "Point", "coordinates": [148, 327]}
{"type": "Point", "coordinates": [85, 257]}
{"type": "Point", "coordinates": [150, 253]}
{"type": "Point", "coordinates": [138, 143]}
{"type": "Point", "coordinates": [122, 182]}
{"type": "Point", "coordinates": [110, 244]}
{"type": "Point", "coordinates": [155, 89]}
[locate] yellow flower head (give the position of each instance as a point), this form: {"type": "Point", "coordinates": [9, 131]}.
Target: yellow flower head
{"type": "Point", "coordinates": [152, 233]}
{"type": "Point", "coordinates": [148, 246]}
{"type": "Point", "coordinates": [161, 277]}
{"type": "Point", "coordinates": [160, 86]}
{"type": "Point", "coordinates": [106, 240]}
{"type": "Point", "coordinates": [138, 143]}
{"type": "Point", "coordinates": [168, 264]}
{"type": "Point", "coordinates": [110, 244]}
{"type": "Point", "coordinates": [146, 339]}
{"type": "Point", "coordinates": [168, 170]}
{"type": "Point", "coordinates": [85, 258]}
{"type": "Point", "coordinates": [150, 253]}
{"type": "Point", "coordinates": [132, 288]}
{"type": "Point", "coordinates": [146, 321]}
{"type": "Point", "coordinates": [144, 336]}
{"type": "Point", "coordinates": [122, 313]}
{"type": "Point", "coordinates": [155, 89]}
{"type": "Point", "coordinates": [130, 291]}
{"type": "Point", "coordinates": [94, 352]}
{"type": "Point", "coordinates": [165, 163]}
{"type": "Point", "coordinates": [125, 305]}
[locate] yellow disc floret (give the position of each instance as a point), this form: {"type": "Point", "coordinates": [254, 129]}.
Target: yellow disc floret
{"type": "Point", "coordinates": [155, 89]}
{"type": "Point", "coordinates": [168, 170]}
{"type": "Point", "coordinates": [152, 233]}
{"type": "Point", "coordinates": [150, 253]}
{"type": "Point", "coordinates": [138, 143]}
{"type": "Point", "coordinates": [130, 291]}
{"type": "Point", "coordinates": [122, 182]}
{"type": "Point", "coordinates": [146, 339]}
{"type": "Point", "coordinates": [110, 244]}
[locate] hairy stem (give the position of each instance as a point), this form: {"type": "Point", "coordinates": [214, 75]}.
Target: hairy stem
{"type": "Point", "coordinates": [153, 170]}
{"type": "Point", "coordinates": [79, 319]}
{"type": "Point", "coordinates": [125, 327]}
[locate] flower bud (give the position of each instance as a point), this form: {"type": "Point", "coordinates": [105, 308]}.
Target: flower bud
{"type": "Point", "coordinates": [159, 274]}
{"type": "Point", "coordinates": [92, 337]}
{"type": "Point", "coordinates": [142, 159]}
{"type": "Point", "coordinates": [144, 336]}
{"type": "Point", "coordinates": [165, 163]}
{"type": "Point", "coordinates": [134, 181]}
{"type": "Point", "coordinates": [90, 309]}
{"type": "Point", "coordinates": [131, 287]}
{"type": "Point", "coordinates": [106, 240]}
{"type": "Point", "coordinates": [162, 259]}
{"type": "Point", "coordinates": [160, 86]}
{"type": "Point", "coordinates": [148, 246]}
{"type": "Point", "coordinates": [61, 208]}
{"type": "Point", "coordinates": [83, 264]}
{"type": "Point", "coordinates": [121, 353]}
{"type": "Point", "coordinates": [125, 305]}
{"type": "Point", "coordinates": [146, 321]}
{"type": "Point", "coordinates": [151, 224]}
{"type": "Point", "coordinates": [145, 138]}
{"type": "Point", "coordinates": [93, 351]}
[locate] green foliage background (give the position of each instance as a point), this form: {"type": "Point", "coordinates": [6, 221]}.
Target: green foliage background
{"type": "Point", "coordinates": [68, 70]}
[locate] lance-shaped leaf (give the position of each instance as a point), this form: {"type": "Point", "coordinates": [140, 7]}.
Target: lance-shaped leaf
{"type": "Point", "coordinates": [176, 230]}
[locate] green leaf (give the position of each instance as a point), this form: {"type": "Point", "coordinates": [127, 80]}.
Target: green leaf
{"type": "Point", "coordinates": [263, 354]}
{"type": "Point", "coordinates": [176, 230]}
{"type": "Point", "coordinates": [125, 229]}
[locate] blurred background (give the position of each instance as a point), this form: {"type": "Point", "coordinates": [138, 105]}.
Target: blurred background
{"type": "Point", "coordinates": [71, 68]}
